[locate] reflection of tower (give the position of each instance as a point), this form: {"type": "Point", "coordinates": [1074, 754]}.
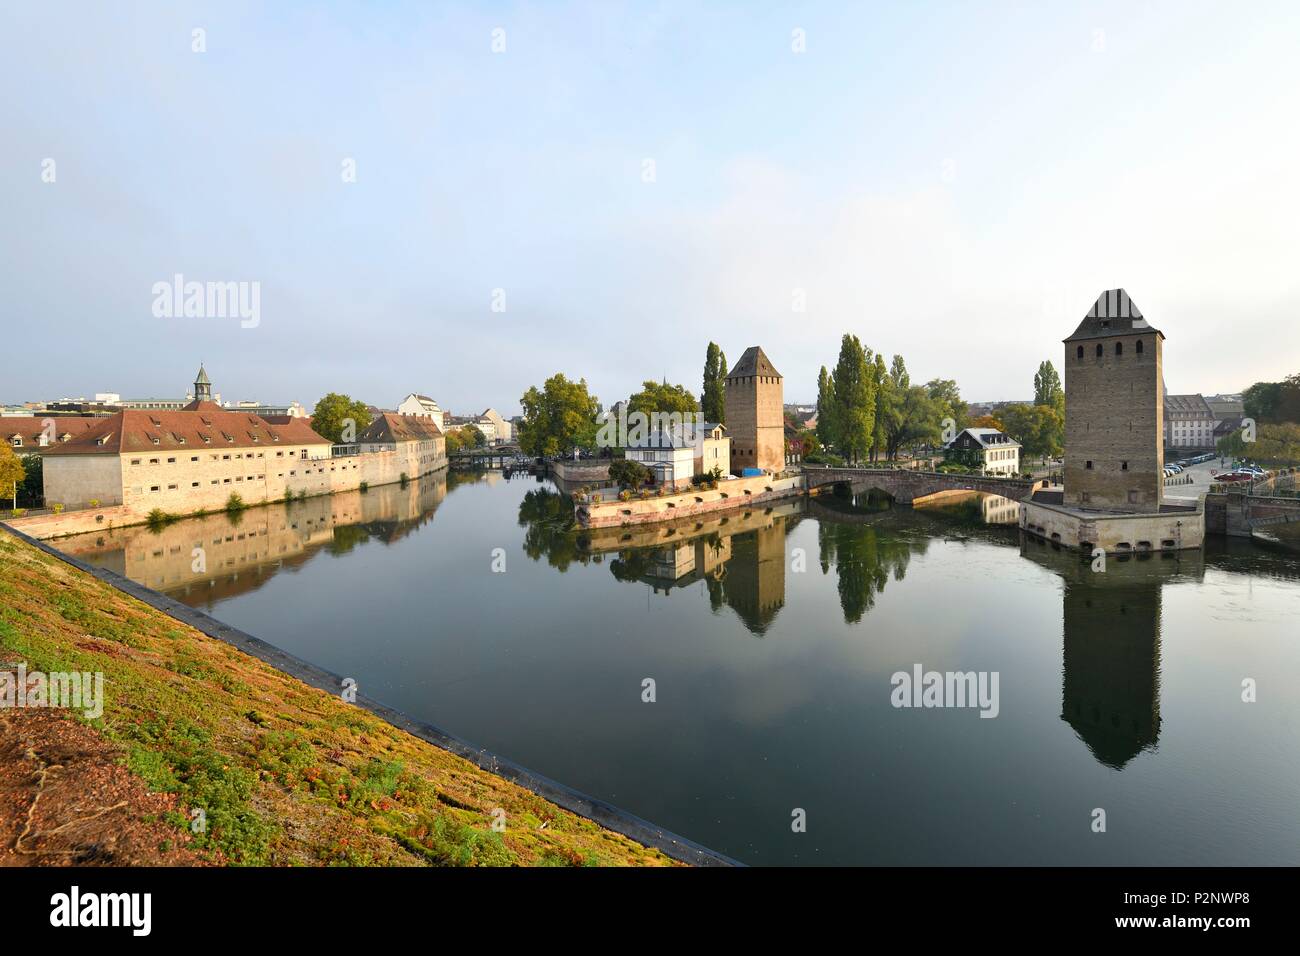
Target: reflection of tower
{"type": "Point", "coordinates": [1110, 691]}
{"type": "Point", "coordinates": [755, 582]}
{"type": "Point", "coordinates": [1110, 687]}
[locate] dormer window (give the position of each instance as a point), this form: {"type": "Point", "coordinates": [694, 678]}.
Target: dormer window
{"type": "Point", "coordinates": [16, 441]}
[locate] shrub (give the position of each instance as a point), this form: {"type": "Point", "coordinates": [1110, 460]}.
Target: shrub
{"type": "Point", "coordinates": [302, 494]}
{"type": "Point", "coordinates": [57, 509]}
{"type": "Point", "coordinates": [17, 512]}
{"type": "Point", "coordinates": [404, 480]}
{"type": "Point", "coordinates": [235, 503]}
{"type": "Point", "coordinates": [365, 486]}
{"type": "Point", "coordinates": [625, 495]}
{"type": "Point", "coordinates": [159, 519]}
{"type": "Point", "coordinates": [94, 502]}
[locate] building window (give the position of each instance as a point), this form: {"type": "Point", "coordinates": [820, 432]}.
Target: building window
{"type": "Point", "coordinates": [1123, 466]}
{"type": "Point", "coordinates": [1098, 350]}
{"type": "Point", "coordinates": [1119, 348]}
{"type": "Point", "coordinates": [1088, 465]}
{"type": "Point", "coordinates": [1132, 497]}
{"type": "Point", "coordinates": [1139, 346]}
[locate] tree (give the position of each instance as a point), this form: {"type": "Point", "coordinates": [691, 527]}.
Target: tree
{"type": "Point", "coordinates": [12, 472]}
{"type": "Point", "coordinates": [912, 416]}
{"type": "Point", "coordinates": [855, 401]}
{"type": "Point", "coordinates": [1273, 401]}
{"type": "Point", "coordinates": [340, 418]}
{"type": "Point", "coordinates": [880, 382]}
{"type": "Point", "coordinates": [467, 436]}
{"type": "Point", "coordinates": [558, 418]}
{"type": "Point", "coordinates": [1047, 386]}
{"type": "Point", "coordinates": [947, 398]}
{"type": "Point", "coordinates": [986, 421]}
{"type": "Point", "coordinates": [1040, 429]}
{"type": "Point", "coordinates": [31, 490]}
{"type": "Point", "coordinates": [722, 376]}
{"type": "Point", "coordinates": [827, 433]}
{"type": "Point", "coordinates": [712, 399]}
{"type": "Point", "coordinates": [627, 473]}
{"type": "Point", "coordinates": [662, 398]}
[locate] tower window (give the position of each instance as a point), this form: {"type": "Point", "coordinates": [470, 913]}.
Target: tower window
{"type": "Point", "coordinates": [1139, 346]}
{"type": "Point", "coordinates": [1098, 350]}
{"type": "Point", "coordinates": [1079, 353]}
{"type": "Point", "coordinates": [1119, 348]}
{"type": "Point", "coordinates": [1123, 466]}
{"type": "Point", "coordinates": [1088, 465]}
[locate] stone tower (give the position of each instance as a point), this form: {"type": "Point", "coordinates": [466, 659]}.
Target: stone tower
{"type": "Point", "coordinates": [755, 416]}
{"type": "Point", "coordinates": [1114, 410]}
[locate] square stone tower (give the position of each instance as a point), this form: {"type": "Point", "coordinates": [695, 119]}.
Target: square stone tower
{"type": "Point", "coordinates": [755, 416]}
{"type": "Point", "coordinates": [1114, 410]}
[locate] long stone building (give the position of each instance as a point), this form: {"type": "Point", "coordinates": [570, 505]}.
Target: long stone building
{"type": "Point", "coordinates": [753, 399]}
{"type": "Point", "coordinates": [196, 458]}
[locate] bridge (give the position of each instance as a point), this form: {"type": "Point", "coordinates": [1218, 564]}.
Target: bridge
{"type": "Point", "coordinates": [1239, 514]}
{"type": "Point", "coordinates": [906, 486]}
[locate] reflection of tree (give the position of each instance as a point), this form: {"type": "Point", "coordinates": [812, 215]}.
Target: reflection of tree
{"type": "Point", "coordinates": [631, 565]}
{"type": "Point", "coordinates": [550, 530]}
{"type": "Point", "coordinates": [863, 558]}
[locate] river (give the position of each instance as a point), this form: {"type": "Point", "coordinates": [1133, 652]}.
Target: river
{"type": "Point", "coordinates": [769, 642]}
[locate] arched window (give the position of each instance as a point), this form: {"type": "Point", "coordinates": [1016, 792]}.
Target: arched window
{"type": "Point", "coordinates": [1098, 350]}
{"type": "Point", "coordinates": [1119, 348]}
{"type": "Point", "coordinates": [1139, 347]}
{"type": "Point", "coordinates": [1079, 353]}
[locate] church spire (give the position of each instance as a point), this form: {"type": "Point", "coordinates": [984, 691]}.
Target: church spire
{"type": "Point", "coordinates": [202, 386]}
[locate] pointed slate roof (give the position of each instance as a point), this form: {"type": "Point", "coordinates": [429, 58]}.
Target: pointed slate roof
{"type": "Point", "coordinates": [754, 362]}
{"type": "Point", "coordinates": [1114, 313]}
{"type": "Point", "coordinates": [202, 377]}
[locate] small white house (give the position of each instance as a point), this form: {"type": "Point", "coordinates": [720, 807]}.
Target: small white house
{"type": "Point", "coordinates": [421, 406]}
{"type": "Point", "coordinates": [999, 453]}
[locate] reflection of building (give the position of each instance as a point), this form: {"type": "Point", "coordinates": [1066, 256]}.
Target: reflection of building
{"type": "Point", "coordinates": [754, 586]}
{"type": "Point", "coordinates": [755, 421]}
{"type": "Point", "coordinates": [1110, 688]}
{"type": "Point", "coordinates": [200, 559]}
{"type": "Point", "coordinates": [740, 557]}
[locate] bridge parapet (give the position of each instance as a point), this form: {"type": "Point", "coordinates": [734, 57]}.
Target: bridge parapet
{"type": "Point", "coordinates": [906, 485]}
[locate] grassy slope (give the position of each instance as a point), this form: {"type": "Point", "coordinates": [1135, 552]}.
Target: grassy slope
{"type": "Point", "coordinates": [285, 773]}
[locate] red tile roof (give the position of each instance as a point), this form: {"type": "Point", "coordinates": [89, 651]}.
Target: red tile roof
{"type": "Point", "coordinates": [198, 425]}
{"type": "Point", "coordinates": [390, 427]}
{"type": "Point", "coordinates": [30, 427]}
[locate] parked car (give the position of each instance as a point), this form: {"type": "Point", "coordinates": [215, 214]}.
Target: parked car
{"type": "Point", "coordinates": [1232, 476]}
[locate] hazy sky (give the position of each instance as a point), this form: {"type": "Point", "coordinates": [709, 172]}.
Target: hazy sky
{"type": "Point", "coordinates": [955, 182]}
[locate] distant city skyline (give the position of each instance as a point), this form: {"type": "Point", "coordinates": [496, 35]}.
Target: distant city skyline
{"type": "Point", "coordinates": [950, 183]}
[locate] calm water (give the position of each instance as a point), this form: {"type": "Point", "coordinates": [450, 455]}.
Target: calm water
{"type": "Point", "coordinates": [772, 639]}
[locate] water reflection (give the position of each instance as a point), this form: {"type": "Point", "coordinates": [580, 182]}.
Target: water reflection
{"type": "Point", "coordinates": [1111, 620]}
{"type": "Point", "coordinates": [200, 561]}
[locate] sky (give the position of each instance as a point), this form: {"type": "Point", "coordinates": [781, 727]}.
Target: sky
{"type": "Point", "coordinates": [602, 188]}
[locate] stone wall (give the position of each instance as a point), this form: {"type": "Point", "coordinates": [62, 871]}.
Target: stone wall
{"type": "Point", "coordinates": [1114, 419]}
{"type": "Point", "coordinates": [1114, 533]}
{"type": "Point", "coordinates": [178, 484]}
{"type": "Point", "coordinates": [741, 493]}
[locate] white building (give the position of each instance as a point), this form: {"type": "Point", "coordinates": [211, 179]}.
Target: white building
{"type": "Point", "coordinates": [1189, 422]}
{"type": "Point", "coordinates": [999, 454]}
{"type": "Point", "coordinates": [421, 406]}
